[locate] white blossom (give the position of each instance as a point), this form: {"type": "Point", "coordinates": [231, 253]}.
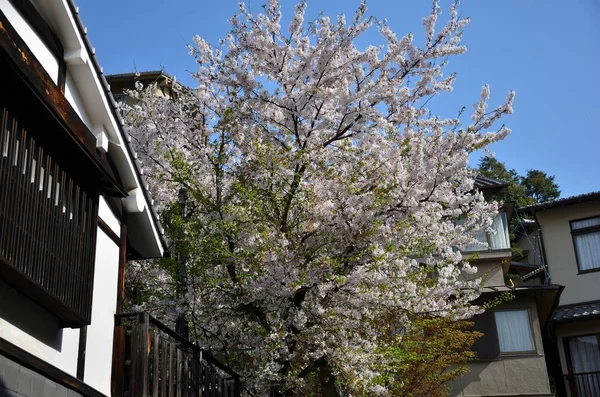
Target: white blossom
{"type": "Point", "coordinates": [323, 192]}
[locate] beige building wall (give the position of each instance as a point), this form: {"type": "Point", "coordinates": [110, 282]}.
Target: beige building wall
{"type": "Point", "coordinates": [491, 267]}
{"type": "Point", "coordinates": [530, 244]}
{"type": "Point", "coordinates": [560, 252]}
{"type": "Point", "coordinates": [509, 375]}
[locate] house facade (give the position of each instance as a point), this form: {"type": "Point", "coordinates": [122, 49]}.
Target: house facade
{"type": "Point", "coordinates": [569, 232]}
{"type": "Point", "coordinates": [510, 355]}
{"type": "Point", "coordinates": [73, 206]}
{"type": "Point", "coordinates": [166, 85]}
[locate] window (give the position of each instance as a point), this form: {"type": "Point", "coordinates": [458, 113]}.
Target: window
{"type": "Point", "coordinates": [119, 98]}
{"type": "Point", "coordinates": [584, 365]}
{"type": "Point", "coordinates": [514, 331]}
{"type": "Point", "coordinates": [496, 239]}
{"type": "Point", "coordinates": [504, 332]}
{"type": "Point", "coordinates": [586, 239]}
{"type": "Point", "coordinates": [584, 354]}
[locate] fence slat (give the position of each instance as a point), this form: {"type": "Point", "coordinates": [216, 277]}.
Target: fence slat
{"type": "Point", "coordinates": [156, 370]}
{"type": "Point", "coordinates": [158, 363]}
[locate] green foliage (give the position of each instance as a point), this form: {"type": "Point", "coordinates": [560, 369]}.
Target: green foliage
{"type": "Point", "coordinates": [433, 352]}
{"type": "Point", "coordinates": [540, 186]}
{"type": "Point", "coordinates": [535, 187]}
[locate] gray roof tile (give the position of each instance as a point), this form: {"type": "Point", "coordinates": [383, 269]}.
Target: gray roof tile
{"type": "Point", "coordinates": [582, 311]}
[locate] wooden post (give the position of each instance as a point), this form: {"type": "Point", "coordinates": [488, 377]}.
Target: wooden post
{"type": "Point", "coordinates": [140, 356]}
{"type": "Point", "coordinates": [118, 364]}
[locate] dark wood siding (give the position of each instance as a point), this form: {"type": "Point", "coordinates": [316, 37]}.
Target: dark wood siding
{"type": "Point", "coordinates": [487, 346]}
{"type": "Point", "coordinates": [48, 222]}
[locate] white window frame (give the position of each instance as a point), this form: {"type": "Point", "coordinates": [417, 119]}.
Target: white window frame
{"type": "Point", "coordinates": [531, 333]}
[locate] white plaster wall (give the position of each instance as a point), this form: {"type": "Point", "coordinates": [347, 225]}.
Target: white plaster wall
{"type": "Point", "coordinates": [72, 95]}
{"type": "Point", "coordinates": [63, 355]}
{"type": "Point", "coordinates": [98, 357]}
{"type": "Point", "coordinates": [108, 217]}
{"type": "Point", "coordinates": [35, 44]}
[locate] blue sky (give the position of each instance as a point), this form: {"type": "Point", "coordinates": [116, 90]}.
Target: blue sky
{"type": "Point", "coordinates": [548, 52]}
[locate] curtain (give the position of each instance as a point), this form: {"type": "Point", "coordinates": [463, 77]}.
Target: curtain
{"type": "Point", "coordinates": [499, 236]}
{"type": "Point", "coordinates": [588, 250]}
{"type": "Point", "coordinates": [496, 239]}
{"type": "Point", "coordinates": [585, 223]}
{"type": "Point", "coordinates": [585, 354]}
{"type": "Point", "coordinates": [514, 331]}
{"type": "Point", "coordinates": [585, 357]}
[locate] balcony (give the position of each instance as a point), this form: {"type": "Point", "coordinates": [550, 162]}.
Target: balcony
{"type": "Point", "coordinates": [583, 384]}
{"type": "Point", "coordinates": [151, 360]}
{"type": "Point", "coordinates": [497, 239]}
{"type": "Point", "coordinates": [48, 222]}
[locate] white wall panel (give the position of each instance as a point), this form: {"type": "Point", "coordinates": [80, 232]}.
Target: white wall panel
{"type": "Point", "coordinates": [35, 44]}
{"type": "Point", "coordinates": [98, 359]}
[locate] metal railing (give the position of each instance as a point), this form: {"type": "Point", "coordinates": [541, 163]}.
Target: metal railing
{"type": "Point", "coordinates": [150, 359]}
{"type": "Point", "coordinates": [585, 384]}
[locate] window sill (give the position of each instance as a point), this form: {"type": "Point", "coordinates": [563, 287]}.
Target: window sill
{"type": "Point", "coordinates": [597, 269]}
{"type": "Point", "coordinates": [532, 353]}
{"type": "Point", "coordinates": [505, 356]}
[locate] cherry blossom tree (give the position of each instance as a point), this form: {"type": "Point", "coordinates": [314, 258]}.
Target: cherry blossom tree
{"type": "Point", "coordinates": [324, 195]}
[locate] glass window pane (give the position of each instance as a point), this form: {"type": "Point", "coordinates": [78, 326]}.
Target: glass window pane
{"type": "Point", "coordinates": [585, 354]}
{"type": "Point", "coordinates": [588, 250]}
{"type": "Point", "coordinates": [499, 236]}
{"type": "Point", "coordinates": [514, 331]}
{"type": "Point", "coordinates": [585, 223]}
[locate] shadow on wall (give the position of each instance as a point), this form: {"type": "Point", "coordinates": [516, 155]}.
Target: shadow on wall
{"type": "Point", "coordinates": [29, 317]}
{"type": "Point", "coordinates": [3, 392]}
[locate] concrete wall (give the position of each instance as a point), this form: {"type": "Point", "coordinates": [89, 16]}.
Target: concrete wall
{"type": "Point", "coordinates": [560, 252]}
{"type": "Point", "coordinates": [530, 243]}
{"type": "Point", "coordinates": [491, 270]}
{"type": "Point", "coordinates": [18, 381]}
{"type": "Point", "coordinates": [509, 375]}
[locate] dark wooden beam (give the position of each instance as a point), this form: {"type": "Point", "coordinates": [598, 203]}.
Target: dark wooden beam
{"type": "Point", "coordinates": [15, 50]}
{"type": "Point", "coordinates": [52, 373]}
{"type": "Point", "coordinates": [23, 283]}
{"type": "Point", "coordinates": [109, 232]}
{"type": "Point", "coordinates": [81, 352]}
{"type": "Point", "coordinates": [40, 26]}
{"type": "Point", "coordinates": [122, 265]}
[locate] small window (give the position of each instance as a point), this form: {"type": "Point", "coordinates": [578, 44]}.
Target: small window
{"type": "Point", "coordinates": [514, 331]}
{"type": "Point", "coordinates": [586, 240]}
{"type": "Point", "coordinates": [120, 98]}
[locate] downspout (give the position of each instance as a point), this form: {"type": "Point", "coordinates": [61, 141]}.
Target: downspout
{"type": "Point", "coordinates": [555, 367]}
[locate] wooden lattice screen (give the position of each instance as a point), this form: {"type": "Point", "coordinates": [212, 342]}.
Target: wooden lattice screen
{"type": "Point", "coordinates": [48, 224]}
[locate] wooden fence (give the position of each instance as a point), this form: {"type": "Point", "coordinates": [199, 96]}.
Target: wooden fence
{"type": "Point", "coordinates": [150, 359]}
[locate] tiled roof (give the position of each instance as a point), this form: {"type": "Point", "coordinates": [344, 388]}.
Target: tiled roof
{"type": "Point", "coordinates": [582, 311]}
{"type": "Point", "coordinates": [482, 182]}
{"type": "Point", "coordinates": [113, 107]}
{"type": "Point", "coordinates": [581, 198]}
